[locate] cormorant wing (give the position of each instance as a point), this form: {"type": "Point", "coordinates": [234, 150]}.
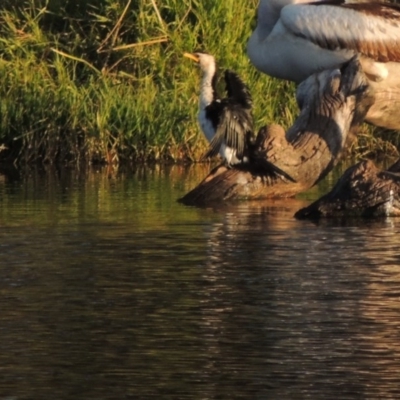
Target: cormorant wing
{"type": "Point", "coordinates": [269, 166]}
{"type": "Point", "coordinates": [235, 123]}
{"type": "Point", "coordinates": [237, 89]}
{"type": "Point", "coordinates": [372, 29]}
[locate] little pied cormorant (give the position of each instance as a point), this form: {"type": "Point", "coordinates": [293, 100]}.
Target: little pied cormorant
{"type": "Point", "coordinates": [227, 123]}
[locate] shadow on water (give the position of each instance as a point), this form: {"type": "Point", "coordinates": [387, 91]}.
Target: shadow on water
{"type": "Point", "coordinates": [112, 290]}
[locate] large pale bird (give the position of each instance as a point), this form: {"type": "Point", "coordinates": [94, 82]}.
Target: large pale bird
{"type": "Point", "coordinates": [294, 39]}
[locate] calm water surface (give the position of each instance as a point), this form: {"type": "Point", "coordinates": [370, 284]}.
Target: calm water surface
{"type": "Point", "coordinates": [112, 290]}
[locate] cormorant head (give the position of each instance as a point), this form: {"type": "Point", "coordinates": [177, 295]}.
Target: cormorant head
{"type": "Point", "coordinates": [205, 61]}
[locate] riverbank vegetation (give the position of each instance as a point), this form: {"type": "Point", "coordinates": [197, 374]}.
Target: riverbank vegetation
{"type": "Point", "coordinates": [105, 80]}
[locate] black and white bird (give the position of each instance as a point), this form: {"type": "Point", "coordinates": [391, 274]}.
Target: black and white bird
{"type": "Point", "coordinates": [227, 123]}
{"type": "Point", "coordinates": [294, 39]}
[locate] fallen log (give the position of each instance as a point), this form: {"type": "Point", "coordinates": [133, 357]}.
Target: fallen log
{"type": "Point", "coordinates": [333, 105]}
{"type": "Point", "coordinates": [363, 190]}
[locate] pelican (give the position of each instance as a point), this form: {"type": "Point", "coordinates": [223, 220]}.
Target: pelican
{"type": "Point", "coordinates": [227, 123]}
{"type": "Point", "coordinates": [294, 39]}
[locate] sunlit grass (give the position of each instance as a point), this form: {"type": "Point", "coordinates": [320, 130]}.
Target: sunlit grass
{"type": "Point", "coordinates": [105, 80]}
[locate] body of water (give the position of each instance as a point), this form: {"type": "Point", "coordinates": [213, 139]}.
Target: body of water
{"type": "Point", "coordinates": [110, 289]}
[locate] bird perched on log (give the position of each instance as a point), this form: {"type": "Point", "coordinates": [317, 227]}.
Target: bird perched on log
{"type": "Point", "coordinates": [227, 123]}
{"type": "Point", "coordinates": [294, 39]}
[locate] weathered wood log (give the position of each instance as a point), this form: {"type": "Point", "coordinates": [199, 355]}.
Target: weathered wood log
{"type": "Point", "coordinates": [363, 190]}
{"type": "Point", "coordinates": [333, 105]}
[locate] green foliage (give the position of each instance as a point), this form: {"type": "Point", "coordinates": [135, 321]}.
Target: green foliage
{"type": "Point", "coordinates": [105, 80]}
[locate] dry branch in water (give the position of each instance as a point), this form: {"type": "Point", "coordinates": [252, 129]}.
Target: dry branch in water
{"type": "Point", "coordinates": [333, 104]}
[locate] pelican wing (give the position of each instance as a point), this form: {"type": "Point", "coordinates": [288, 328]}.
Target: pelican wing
{"type": "Point", "coordinates": [372, 29]}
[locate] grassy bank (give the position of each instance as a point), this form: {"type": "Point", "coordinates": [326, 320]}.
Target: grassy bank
{"type": "Point", "coordinates": [104, 80]}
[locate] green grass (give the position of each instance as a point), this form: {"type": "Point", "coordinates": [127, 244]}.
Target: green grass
{"type": "Point", "coordinates": [105, 80]}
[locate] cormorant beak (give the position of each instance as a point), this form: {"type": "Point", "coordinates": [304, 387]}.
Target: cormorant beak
{"type": "Point", "coordinates": [192, 57]}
